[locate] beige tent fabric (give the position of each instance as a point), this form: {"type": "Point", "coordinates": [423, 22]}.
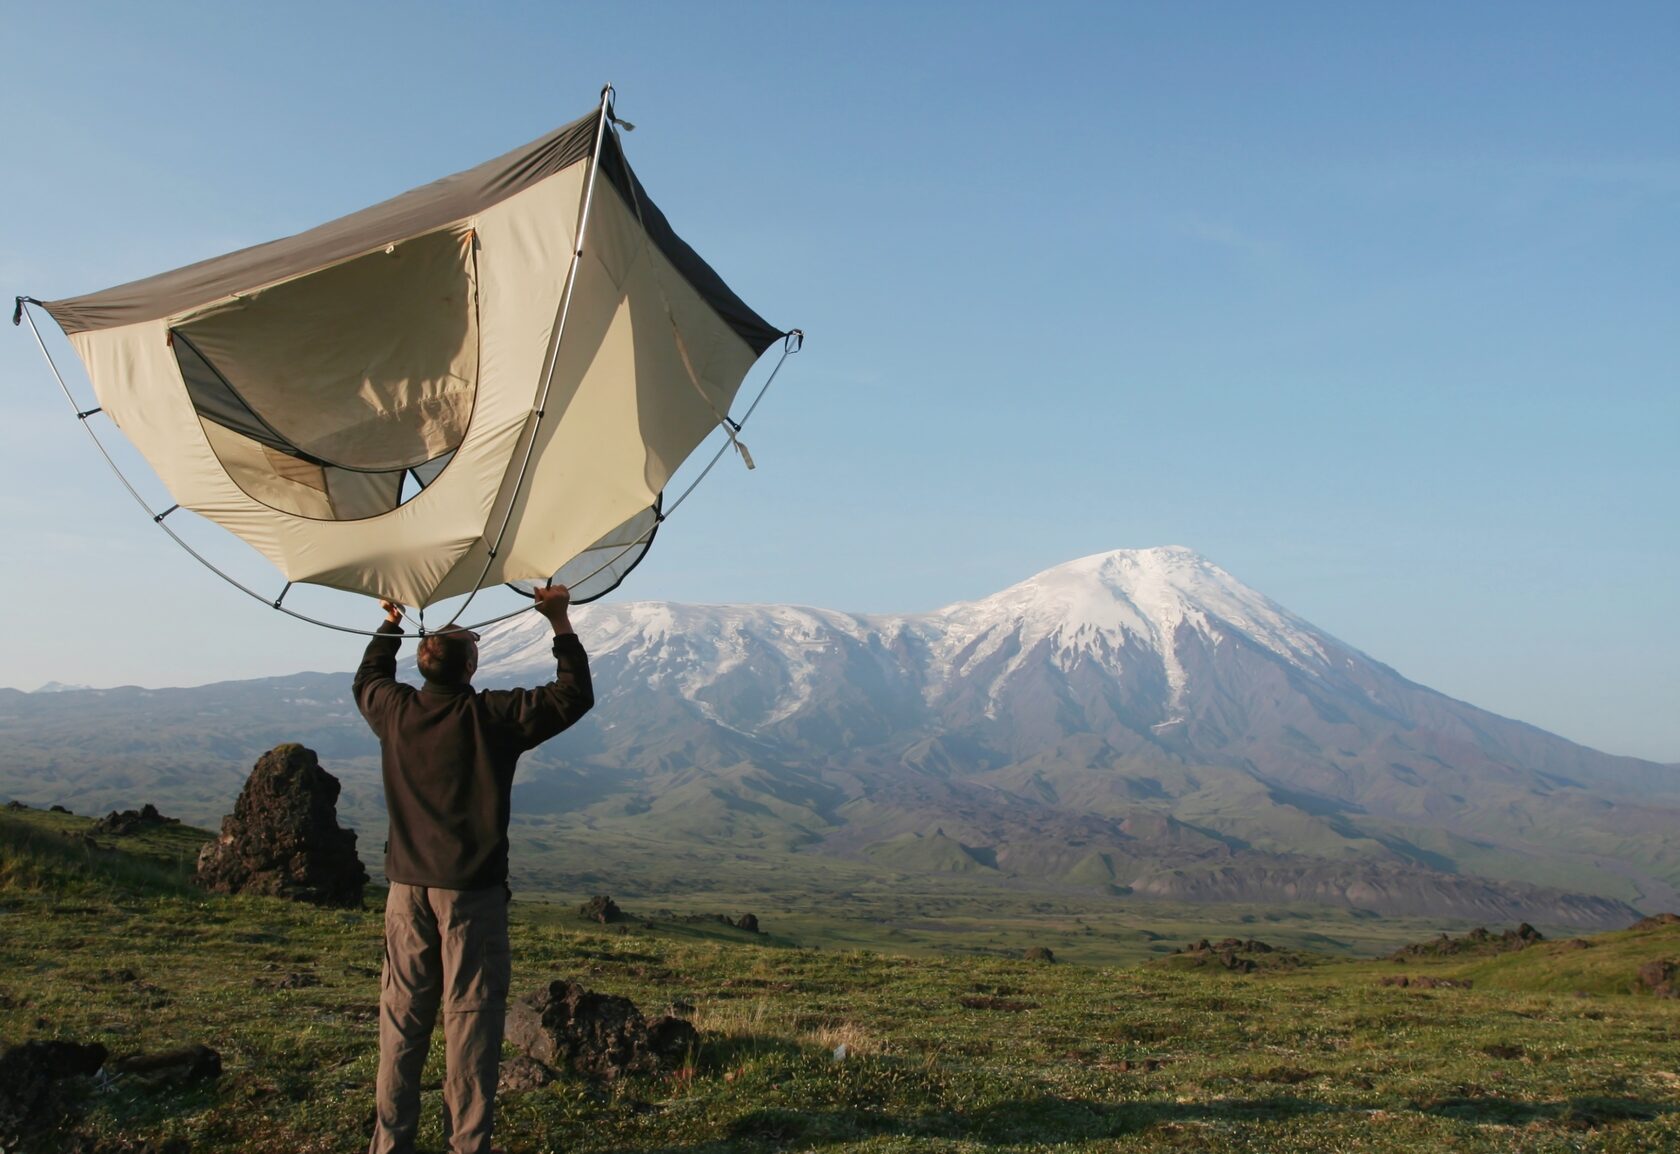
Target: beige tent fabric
{"type": "Point", "coordinates": [605, 451]}
{"type": "Point", "coordinates": [421, 210]}
{"type": "Point", "coordinates": [343, 356]}
{"type": "Point", "coordinates": [371, 364]}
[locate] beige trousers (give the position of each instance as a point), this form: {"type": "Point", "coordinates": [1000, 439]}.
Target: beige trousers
{"type": "Point", "coordinates": [444, 949]}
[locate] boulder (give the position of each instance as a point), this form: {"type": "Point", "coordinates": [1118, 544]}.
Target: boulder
{"type": "Point", "coordinates": [1041, 954]}
{"type": "Point", "coordinates": [182, 1067]}
{"type": "Point", "coordinates": [749, 923]}
{"type": "Point", "coordinates": [1478, 941]}
{"type": "Point", "coordinates": [601, 908]}
{"type": "Point", "coordinates": [131, 821]}
{"type": "Point", "coordinates": [30, 1097]}
{"type": "Point", "coordinates": [1660, 977]}
{"type": "Point", "coordinates": [522, 1072]}
{"type": "Point", "coordinates": [283, 838]}
{"type": "Point", "coordinates": [567, 1027]}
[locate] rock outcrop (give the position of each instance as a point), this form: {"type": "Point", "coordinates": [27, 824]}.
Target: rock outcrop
{"type": "Point", "coordinates": [1660, 977]}
{"type": "Point", "coordinates": [1656, 922]}
{"type": "Point", "coordinates": [169, 1068]}
{"type": "Point", "coordinates": [1234, 954]}
{"type": "Point", "coordinates": [30, 1078]}
{"type": "Point", "coordinates": [1478, 941]}
{"type": "Point", "coordinates": [601, 908]}
{"type": "Point", "coordinates": [131, 821]}
{"type": "Point", "coordinates": [283, 838]}
{"type": "Point", "coordinates": [565, 1026]}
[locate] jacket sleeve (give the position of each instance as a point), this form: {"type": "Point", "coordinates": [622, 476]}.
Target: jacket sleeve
{"type": "Point", "coordinates": [531, 716]}
{"type": "Point", "coordinates": [376, 687]}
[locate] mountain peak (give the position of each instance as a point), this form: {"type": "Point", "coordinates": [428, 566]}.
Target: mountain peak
{"type": "Point", "coordinates": [1108, 601]}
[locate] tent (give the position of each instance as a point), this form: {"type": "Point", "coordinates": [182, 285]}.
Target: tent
{"type": "Point", "coordinates": [489, 379]}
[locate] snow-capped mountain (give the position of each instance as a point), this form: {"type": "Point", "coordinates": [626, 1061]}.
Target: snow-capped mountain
{"type": "Point", "coordinates": [1137, 722]}
{"type": "Point", "coordinates": [1121, 613]}
{"type": "Point", "coordinates": [1127, 688]}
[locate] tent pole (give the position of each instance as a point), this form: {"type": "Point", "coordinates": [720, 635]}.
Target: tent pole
{"type": "Point", "coordinates": [553, 353]}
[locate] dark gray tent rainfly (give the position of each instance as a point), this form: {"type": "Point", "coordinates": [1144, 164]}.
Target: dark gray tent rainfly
{"type": "Point", "coordinates": [489, 379]}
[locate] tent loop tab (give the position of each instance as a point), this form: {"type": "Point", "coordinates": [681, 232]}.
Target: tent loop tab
{"type": "Point", "coordinates": [17, 309]}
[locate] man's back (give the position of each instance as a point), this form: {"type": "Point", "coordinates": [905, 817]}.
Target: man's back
{"type": "Point", "coordinates": [448, 755]}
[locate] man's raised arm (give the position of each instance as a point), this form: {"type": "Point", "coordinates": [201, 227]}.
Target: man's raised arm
{"type": "Point", "coordinates": [535, 715]}
{"type": "Point", "coordinates": [376, 678]}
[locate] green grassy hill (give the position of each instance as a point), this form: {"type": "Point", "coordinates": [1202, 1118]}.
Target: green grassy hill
{"type": "Point", "coordinates": [1600, 965]}
{"type": "Point", "coordinates": [943, 1052]}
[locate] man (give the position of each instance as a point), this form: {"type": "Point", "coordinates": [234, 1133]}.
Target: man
{"type": "Point", "coordinates": [448, 755]}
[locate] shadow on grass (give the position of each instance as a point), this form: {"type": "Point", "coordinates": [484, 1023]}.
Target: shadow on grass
{"type": "Point", "coordinates": [1583, 1112]}
{"type": "Point", "coordinates": [1046, 1119]}
{"type": "Point", "coordinates": [1052, 1120]}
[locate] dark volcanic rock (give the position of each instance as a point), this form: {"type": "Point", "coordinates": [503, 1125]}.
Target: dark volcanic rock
{"type": "Point", "coordinates": [601, 908]}
{"type": "Point", "coordinates": [1478, 941]}
{"type": "Point", "coordinates": [524, 1073]}
{"type": "Point", "coordinates": [30, 1095]}
{"type": "Point", "coordinates": [748, 922]}
{"type": "Point", "coordinates": [57, 809]}
{"type": "Point", "coordinates": [568, 1027]}
{"type": "Point", "coordinates": [1238, 955]}
{"type": "Point", "coordinates": [1422, 982]}
{"type": "Point", "coordinates": [1041, 954]}
{"type": "Point", "coordinates": [181, 1067]}
{"type": "Point", "coordinates": [1661, 977]}
{"type": "Point", "coordinates": [133, 821]}
{"type": "Point", "coordinates": [283, 838]}
{"type": "Point", "coordinates": [1656, 921]}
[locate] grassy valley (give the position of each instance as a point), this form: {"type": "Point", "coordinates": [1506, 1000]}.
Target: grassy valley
{"type": "Point", "coordinates": [1547, 1049]}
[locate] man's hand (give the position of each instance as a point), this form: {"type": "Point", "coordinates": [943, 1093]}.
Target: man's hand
{"type": "Point", "coordinates": [393, 612]}
{"type": "Point", "coordinates": [552, 603]}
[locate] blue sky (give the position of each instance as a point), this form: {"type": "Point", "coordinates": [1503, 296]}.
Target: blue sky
{"type": "Point", "coordinates": [1373, 306]}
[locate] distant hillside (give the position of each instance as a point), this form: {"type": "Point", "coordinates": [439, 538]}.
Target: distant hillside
{"type": "Point", "coordinates": [1135, 724]}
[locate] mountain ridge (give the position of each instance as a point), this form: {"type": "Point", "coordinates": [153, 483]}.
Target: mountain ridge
{"type": "Point", "coordinates": [1133, 722]}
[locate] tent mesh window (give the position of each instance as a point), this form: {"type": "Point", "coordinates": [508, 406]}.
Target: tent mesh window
{"type": "Point", "coordinates": [322, 395]}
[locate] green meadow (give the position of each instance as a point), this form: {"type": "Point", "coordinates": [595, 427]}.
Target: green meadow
{"type": "Point", "coordinates": [898, 1019]}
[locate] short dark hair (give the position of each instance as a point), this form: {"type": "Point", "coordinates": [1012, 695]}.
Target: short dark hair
{"type": "Point", "coordinates": [446, 658]}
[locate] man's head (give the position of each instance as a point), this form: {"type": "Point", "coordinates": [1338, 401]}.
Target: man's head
{"type": "Point", "coordinates": [449, 656]}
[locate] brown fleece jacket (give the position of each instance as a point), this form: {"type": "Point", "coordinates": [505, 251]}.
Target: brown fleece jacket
{"type": "Point", "coordinates": [448, 754]}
